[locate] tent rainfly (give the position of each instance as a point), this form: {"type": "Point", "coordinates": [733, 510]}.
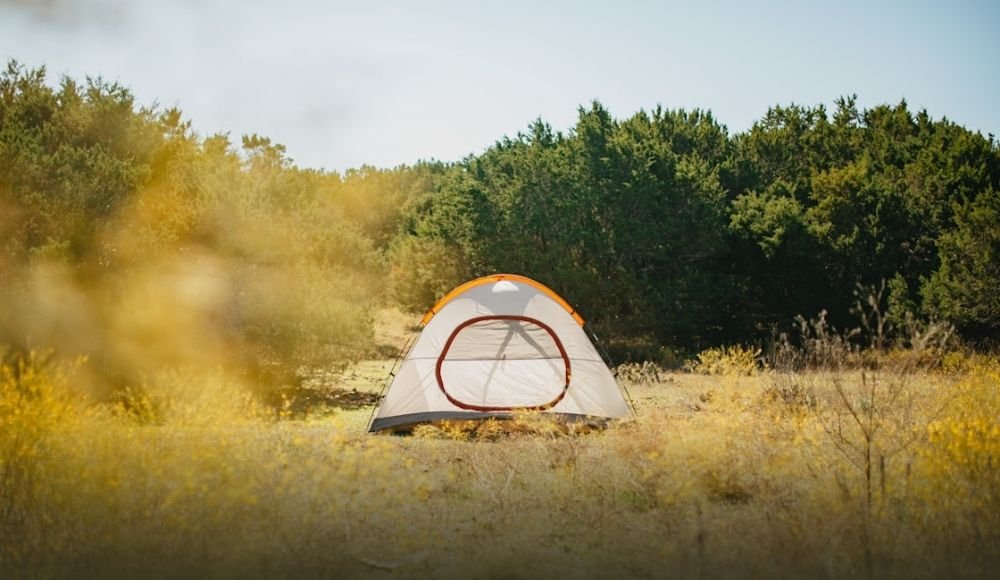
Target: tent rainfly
{"type": "Point", "coordinates": [495, 346]}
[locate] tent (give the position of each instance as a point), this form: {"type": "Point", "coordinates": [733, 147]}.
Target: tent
{"type": "Point", "coordinates": [495, 346]}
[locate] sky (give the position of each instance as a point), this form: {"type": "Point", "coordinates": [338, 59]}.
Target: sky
{"type": "Point", "coordinates": [384, 83]}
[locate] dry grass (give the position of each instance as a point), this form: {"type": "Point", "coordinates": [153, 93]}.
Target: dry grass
{"type": "Point", "coordinates": [718, 476]}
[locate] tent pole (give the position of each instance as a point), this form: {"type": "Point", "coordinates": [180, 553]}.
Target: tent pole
{"type": "Point", "coordinates": [392, 374]}
{"type": "Point", "coordinates": [607, 360]}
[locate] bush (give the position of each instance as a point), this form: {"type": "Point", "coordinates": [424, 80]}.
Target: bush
{"type": "Point", "coordinates": [958, 461]}
{"type": "Point", "coordinates": [638, 373]}
{"type": "Point", "coordinates": [730, 361]}
{"type": "Point", "coordinates": [34, 406]}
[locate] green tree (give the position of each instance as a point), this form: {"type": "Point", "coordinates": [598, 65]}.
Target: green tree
{"type": "Point", "coordinates": [964, 288]}
{"type": "Point", "coordinates": [626, 219]}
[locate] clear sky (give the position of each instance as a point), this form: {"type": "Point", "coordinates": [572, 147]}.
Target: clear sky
{"type": "Point", "coordinates": [384, 83]}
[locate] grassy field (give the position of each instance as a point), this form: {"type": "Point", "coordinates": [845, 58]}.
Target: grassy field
{"type": "Point", "coordinates": [718, 476]}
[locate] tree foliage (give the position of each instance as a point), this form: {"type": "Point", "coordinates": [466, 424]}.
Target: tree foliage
{"type": "Point", "coordinates": [663, 227]}
{"type": "Point", "coordinates": [127, 236]}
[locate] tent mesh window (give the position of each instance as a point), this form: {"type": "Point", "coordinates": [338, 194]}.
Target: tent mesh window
{"type": "Point", "coordinates": [503, 363]}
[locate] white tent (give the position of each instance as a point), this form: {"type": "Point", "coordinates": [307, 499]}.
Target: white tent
{"type": "Point", "coordinates": [494, 346]}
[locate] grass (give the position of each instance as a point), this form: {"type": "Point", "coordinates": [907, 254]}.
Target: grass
{"type": "Point", "coordinates": [719, 476]}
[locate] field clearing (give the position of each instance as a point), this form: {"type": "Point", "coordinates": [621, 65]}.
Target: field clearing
{"type": "Point", "coordinates": [718, 476]}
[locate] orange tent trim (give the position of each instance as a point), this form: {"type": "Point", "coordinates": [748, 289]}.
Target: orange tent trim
{"type": "Point", "coordinates": [497, 278]}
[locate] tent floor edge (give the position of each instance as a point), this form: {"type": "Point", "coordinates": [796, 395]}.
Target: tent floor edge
{"type": "Point", "coordinates": [404, 424]}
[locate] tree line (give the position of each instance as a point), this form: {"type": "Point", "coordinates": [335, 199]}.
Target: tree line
{"type": "Point", "coordinates": [667, 230]}
{"type": "Point", "coordinates": [126, 236]}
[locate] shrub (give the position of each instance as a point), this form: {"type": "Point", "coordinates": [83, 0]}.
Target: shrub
{"type": "Point", "coordinates": [638, 373]}
{"type": "Point", "coordinates": [730, 361]}
{"type": "Point", "coordinates": [34, 405]}
{"type": "Point", "coordinates": [958, 462]}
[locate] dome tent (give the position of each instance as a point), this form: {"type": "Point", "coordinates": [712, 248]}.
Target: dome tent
{"type": "Point", "coordinates": [494, 346]}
